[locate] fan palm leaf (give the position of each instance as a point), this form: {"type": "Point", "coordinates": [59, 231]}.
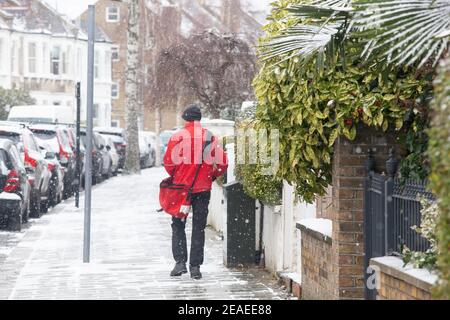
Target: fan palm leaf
{"type": "Point", "coordinates": [403, 32]}
{"type": "Point", "coordinates": [320, 29]}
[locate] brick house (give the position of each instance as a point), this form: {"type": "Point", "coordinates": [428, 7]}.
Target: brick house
{"type": "Point", "coordinates": [163, 23]}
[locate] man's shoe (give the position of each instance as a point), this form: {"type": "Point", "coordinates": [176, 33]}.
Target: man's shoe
{"type": "Point", "coordinates": [179, 270]}
{"type": "Point", "coordinates": [195, 273]}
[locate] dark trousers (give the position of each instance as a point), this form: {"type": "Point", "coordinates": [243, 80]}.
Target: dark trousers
{"type": "Point", "coordinates": [200, 203]}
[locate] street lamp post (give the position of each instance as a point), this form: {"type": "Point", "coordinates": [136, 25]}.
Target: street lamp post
{"type": "Point", "coordinates": [89, 127]}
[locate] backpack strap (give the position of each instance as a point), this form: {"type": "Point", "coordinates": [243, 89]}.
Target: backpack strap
{"type": "Point", "coordinates": [208, 141]}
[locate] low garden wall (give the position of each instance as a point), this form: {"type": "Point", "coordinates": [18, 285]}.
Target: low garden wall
{"type": "Point", "coordinates": [402, 283]}
{"type": "Point", "coordinates": [316, 256]}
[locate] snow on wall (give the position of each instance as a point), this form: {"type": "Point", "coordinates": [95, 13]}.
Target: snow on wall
{"type": "Point", "coordinates": [397, 263]}
{"type": "Point", "coordinates": [323, 226]}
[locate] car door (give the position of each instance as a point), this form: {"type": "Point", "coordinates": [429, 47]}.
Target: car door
{"type": "Point", "coordinates": [19, 166]}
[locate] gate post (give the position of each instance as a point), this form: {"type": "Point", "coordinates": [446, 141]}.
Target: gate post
{"type": "Point", "coordinates": [369, 166]}
{"type": "Point", "coordinates": [391, 169]}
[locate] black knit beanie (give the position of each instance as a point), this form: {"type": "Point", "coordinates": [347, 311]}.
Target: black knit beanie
{"type": "Point", "coordinates": [192, 113]}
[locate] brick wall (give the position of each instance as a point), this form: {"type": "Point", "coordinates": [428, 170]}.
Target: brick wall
{"type": "Point", "coordinates": [398, 285]}
{"type": "Point", "coordinates": [347, 213]}
{"type": "Point", "coordinates": [317, 267]}
{"type": "Point", "coordinates": [324, 205]}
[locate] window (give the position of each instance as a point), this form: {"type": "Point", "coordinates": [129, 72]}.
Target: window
{"type": "Point", "coordinates": [112, 14]}
{"type": "Point", "coordinates": [14, 57]}
{"type": "Point", "coordinates": [115, 91]}
{"type": "Point", "coordinates": [32, 57]}
{"type": "Point", "coordinates": [44, 58]}
{"type": "Point", "coordinates": [96, 65]}
{"type": "Point", "coordinates": [115, 56]}
{"type": "Point", "coordinates": [55, 61]}
{"type": "Point", "coordinates": [65, 62]}
{"type": "Point", "coordinates": [108, 65]}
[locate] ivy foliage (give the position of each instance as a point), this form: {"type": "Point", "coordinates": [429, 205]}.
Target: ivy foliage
{"type": "Point", "coordinates": [312, 109]}
{"type": "Point", "coordinates": [428, 226]}
{"type": "Point", "coordinates": [439, 151]}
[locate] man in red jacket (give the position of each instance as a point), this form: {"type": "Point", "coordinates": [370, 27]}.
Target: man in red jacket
{"type": "Point", "coordinates": [189, 148]}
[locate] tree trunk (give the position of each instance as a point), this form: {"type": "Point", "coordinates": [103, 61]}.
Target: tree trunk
{"type": "Point", "coordinates": [132, 161]}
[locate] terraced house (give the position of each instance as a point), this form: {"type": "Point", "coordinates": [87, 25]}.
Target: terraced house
{"type": "Point", "coordinates": [46, 54]}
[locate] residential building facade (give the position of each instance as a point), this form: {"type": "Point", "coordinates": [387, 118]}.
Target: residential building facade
{"type": "Point", "coordinates": [162, 24]}
{"type": "Point", "coordinates": [44, 53]}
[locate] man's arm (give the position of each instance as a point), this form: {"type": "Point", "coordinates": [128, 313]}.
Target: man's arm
{"type": "Point", "coordinates": [168, 162]}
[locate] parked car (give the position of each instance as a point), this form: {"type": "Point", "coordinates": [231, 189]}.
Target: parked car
{"type": "Point", "coordinates": [151, 138]}
{"type": "Point", "coordinates": [106, 157]}
{"type": "Point", "coordinates": [42, 114]}
{"type": "Point", "coordinates": [144, 152]}
{"type": "Point", "coordinates": [36, 166]}
{"type": "Point", "coordinates": [15, 195]}
{"type": "Point", "coordinates": [56, 192]}
{"type": "Point", "coordinates": [119, 137]}
{"type": "Point", "coordinates": [165, 138]}
{"type": "Point", "coordinates": [72, 134]}
{"type": "Point", "coordinates": [57, 138]}
{"type": "Point", "coordinates": [111, 148]}
{"type": "Point", "coordinates": [97, 158]}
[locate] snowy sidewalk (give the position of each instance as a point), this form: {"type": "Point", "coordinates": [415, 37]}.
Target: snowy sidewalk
{"type": "Point", "coordinates": [130, 254]}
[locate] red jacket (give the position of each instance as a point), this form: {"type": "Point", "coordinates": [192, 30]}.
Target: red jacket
{"type": "Point", "coordinates": [183, 156]}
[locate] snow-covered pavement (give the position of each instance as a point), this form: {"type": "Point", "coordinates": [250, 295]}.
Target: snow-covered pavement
{"type": "Point", "coordinates": [130, 254]}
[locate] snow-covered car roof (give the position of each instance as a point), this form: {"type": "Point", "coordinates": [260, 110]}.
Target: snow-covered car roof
{"type": "Point", "coordinates": [109, 130]}
{"type": "Point", "coordinates": [13, 128]}
{"type": "Point", "coordinates": [46, 127]}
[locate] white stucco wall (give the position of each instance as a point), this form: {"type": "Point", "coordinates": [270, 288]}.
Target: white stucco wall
{"type": "Point", "coordinates": [280, 236]}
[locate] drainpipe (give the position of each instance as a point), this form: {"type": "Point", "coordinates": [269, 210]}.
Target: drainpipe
{"type": "Point", "coordinates": [262, 263]}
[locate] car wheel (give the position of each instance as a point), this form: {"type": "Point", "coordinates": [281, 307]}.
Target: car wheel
{"type": "Point", "coordinates": [52, 196]}
{"type": "Point", "coordinates": [35, 207]}
{"type": "Point", "coordinates": [44, 206]}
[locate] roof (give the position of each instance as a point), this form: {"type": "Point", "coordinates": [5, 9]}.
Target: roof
{"type": "Point", "coordinates": [35, 16]}
{"type": "Point", "coordinates": [206, 14]}
{"type": "Point", "coordinates": [100, 34]}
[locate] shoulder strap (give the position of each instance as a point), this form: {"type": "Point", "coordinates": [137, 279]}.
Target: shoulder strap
{"type": "Point", "coordinates": [208, 141]}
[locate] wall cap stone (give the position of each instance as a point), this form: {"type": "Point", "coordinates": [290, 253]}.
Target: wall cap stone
{"type": "Point", "coordinates": [320, 229]}
{"type": "Point", "coordinates": [393, 266]}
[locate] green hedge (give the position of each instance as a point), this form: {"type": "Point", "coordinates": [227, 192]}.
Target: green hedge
{"type": "Point", "coordinates": [439, 152]}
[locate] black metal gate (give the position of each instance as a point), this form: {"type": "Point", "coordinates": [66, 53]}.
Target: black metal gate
{"type": "Point", "coordinates": [391, 209]}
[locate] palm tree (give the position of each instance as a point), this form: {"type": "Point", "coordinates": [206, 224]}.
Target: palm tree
{"type": "Point", "coordinates": [396, 32]}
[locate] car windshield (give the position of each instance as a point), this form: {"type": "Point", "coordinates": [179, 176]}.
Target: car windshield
{"type": "Point", "coordinates": [47, 139]}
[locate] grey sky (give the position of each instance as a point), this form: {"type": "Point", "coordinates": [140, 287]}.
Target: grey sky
{"type": "Point", "coordinates": [74, 8]}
